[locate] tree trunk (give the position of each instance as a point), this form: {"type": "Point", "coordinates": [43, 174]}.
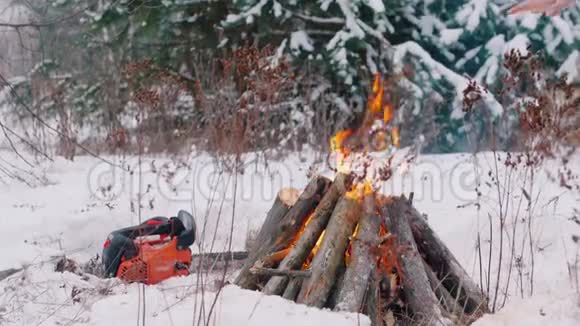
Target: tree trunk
{"type": "Point", "coordinates": [278, 232]}
{"type": "Point", "coordinates": [303, 247]}
{"type": "Point", "coordinates": [363, 261]}
{"type": "Point", "coordinates": [330, 255]}
{"type": "Point", "coordinates": [416, 288]}
{"type": "Point", "coordinates": [444, 264]}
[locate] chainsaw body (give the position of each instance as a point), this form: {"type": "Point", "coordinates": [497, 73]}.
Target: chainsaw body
{"type": "Point", "coordinates": [150, 252]}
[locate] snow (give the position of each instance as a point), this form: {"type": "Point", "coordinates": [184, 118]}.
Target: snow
{"type": "Point", "coordinates": [564, 28]}
{"type": "Point", "coordinates": [450, 35]}
{"type": "Point", "coordinates": [429, 23]}
{"type": "Point", "coordinates": [471, 13]}
{"type": "Point", "coordinates": [529, 21]}
{"type": "Point", "coordinates": [496, 44]}
{"type": "Point", "coordinates": [376, 5]}
{"type": "Point", "coordinates": [300, 41]}
{"type": "Point", "coordinates": [557, 307]}
{"type": "Point", "coordinates": [75, 211]}
{"type": "Point", "coordinates": [277, 7]}
{"type": "Point", "coordinates": [234, 307]}
{"type": "Point", "coordinates": [352, 27]}
{"type": "Point", "coordinates": [248, 14]}
{"type": "Point", "coordinates": [519, 42]}
{"type": "Point", "coordinates": [468, 56]}
{"type": "Point", "coordinates": [571, 66]}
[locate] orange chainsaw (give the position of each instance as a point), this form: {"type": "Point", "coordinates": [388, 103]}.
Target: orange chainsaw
{"type": "Point", "coordinates": [152, 251]}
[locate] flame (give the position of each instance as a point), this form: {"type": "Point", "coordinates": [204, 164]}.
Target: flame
{"type": "Point", "coordinates": [341, 151]}
{"type": "Point", "coordinates": [395, 136]}
{"type": "Point", "coordinates": [360, 190]}
{"type": "Point", "coordinates": [387, 113]}
{"type": "Point", "coordinates": [302, 227]}
{"type": "Point", "coordinates": [337, 141]}
{"type": "Point", "coordinates": [313, 251]}
{"type": "Point", "coordinates": [375, 102]}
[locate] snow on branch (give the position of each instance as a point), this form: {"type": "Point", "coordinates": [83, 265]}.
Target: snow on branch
{"type": "Point", "coordinates": [320, 20]}
{"type": "Point", "coordinates": [248, 15]}
{"type": "Point", "coordinates": [439, 71]}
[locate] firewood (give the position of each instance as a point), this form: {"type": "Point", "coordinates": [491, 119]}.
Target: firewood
{"type": "Point", "coordinates": [362, 261]}
{"type": "Point", "coordinates": [277, 272]}
{"type": "Point", "coordinates": [292, 289]}
{"type": "Point", "coordinates": [333, 295]}
{"type": "Point", "coordinates": [272, 259]}
{"type": "Point", "coordinates": [226, 255]}
{"type": "Point", "coordinates": [416, 288]}
{"type": "Point", "coordinates": [281, 226]}
{"type": "Point", "coordinates": [285, 199]}
{"type": "Point", "coordinates": [318, 221]}
{"type": "Point", "coordinates": [445, 298]}
{"type": "Point", "coordinates": [218, 260]}
{"type": "Point", "coordinates": [330, 255]}
{"type": "Point", "coordinates": [454, 278]}
{"type": "Point", "coordinates": [372, 299]}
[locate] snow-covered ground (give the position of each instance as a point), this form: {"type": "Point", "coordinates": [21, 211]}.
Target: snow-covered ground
{"type": "Point", "coordinates": [80, 202]}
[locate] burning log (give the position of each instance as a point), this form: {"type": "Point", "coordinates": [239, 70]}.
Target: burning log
{"type": "Point", "coordinates": [454, 278]}
{"type": "Point", "coordinates": [281, 226]}
{"type": "Point", "coordinates": [363, 262]}
{"type": "Point", "coordinates": [311, 234]}
{"type": "Point", "coordinates": [416, 288]}
{"type": "Point", "coordinates": [330, 255]}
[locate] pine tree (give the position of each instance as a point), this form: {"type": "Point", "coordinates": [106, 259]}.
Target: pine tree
{"type": "Point", "coordinates": [344, 38]}
{"type": "Point", "coordinates": [449, 42]}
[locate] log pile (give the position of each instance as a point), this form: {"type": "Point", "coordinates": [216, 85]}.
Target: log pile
{"type": "Point", "coordinates": [334, 247]}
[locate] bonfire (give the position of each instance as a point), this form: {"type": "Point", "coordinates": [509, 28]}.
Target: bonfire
{"type": "Point", "coordinates": [342, 245]}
